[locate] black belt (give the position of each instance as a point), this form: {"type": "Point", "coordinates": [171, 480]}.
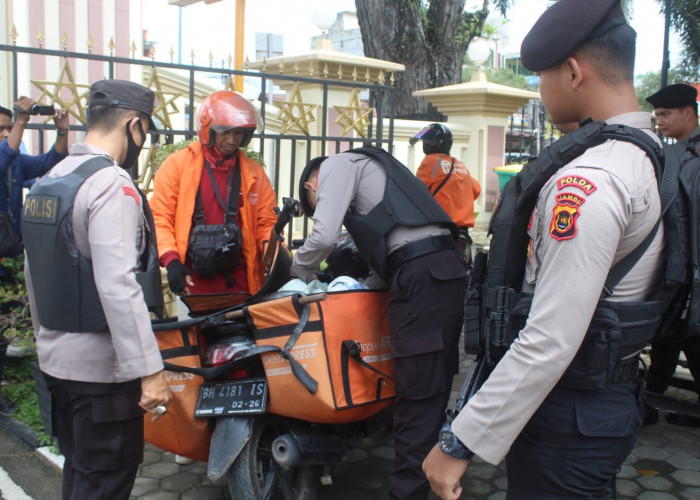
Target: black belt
{"type": "Point", "coordinates": [418, 248]}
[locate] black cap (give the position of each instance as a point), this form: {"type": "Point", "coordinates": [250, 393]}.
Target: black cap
{"type": "Point", "coordinates": [123, 94]}
{"type": "Point", "coordinates": [564, 27]}
{"type": "Point", "coordinates": [674, 96]}
{"type": "Point", "coordinates": [313, 165]}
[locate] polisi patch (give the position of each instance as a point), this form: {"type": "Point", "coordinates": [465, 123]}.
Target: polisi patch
{"type": "Point", "coordinates": [40, 208]}
{"type": "Point", "coordinates": [564, 215]}
{"type": "Point", "coordinates": [576, 181]}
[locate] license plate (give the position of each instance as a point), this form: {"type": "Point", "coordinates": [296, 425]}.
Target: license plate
{"type": "Point", "coordinates": [233, 397]}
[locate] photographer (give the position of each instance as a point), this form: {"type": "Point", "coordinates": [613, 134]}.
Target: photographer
{"type": "Point", "coordinates": [16, 168]}
{"type": "Point", "coordinates": [213, 206]}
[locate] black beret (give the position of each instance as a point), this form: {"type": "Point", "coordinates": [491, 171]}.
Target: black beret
{"type": "Point", "coordinates": [312, 166]}
{"type": "Point", "coordinates": [123, 94]}
{"type": "Point", "coordinates": [674, 96]}
{"type": "Point", "coordinates": [565, 26]}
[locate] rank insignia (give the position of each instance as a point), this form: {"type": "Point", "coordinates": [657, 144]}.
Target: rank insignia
{"type": "Point", "coordinates": [576, 181]}
{"type": "Point", "coordinates": [129, 191]}
{"type": "Point", "coordinates": [564, 215]}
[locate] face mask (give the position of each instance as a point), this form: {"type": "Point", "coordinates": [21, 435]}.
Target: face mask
{"type": "Point", "coordinates": [132, 150]}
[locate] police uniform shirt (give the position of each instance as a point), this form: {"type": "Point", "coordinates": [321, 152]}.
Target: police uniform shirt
{"type": "Point", "coordinates": [589, 215]}
{"type": "Point", "coordinates": [348, 181]}
{"type": "Point", "coordinates": [110, 229]}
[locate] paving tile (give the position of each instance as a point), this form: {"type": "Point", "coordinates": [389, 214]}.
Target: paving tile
{"type": "Point", "coordinates": [656, 483]}
{"type": "Point", "coordinates": [160, 470]}
{"type": "Point", "coordinates": [161, 495]}
{"type": "Point", "coordinates": [180, 482]}
{"type": "Point", "coordinates": [628, 488]}
{"type": "Point", "coordinates": [687, 477]}
{"type": "Point", "coordinates": [144, 485]}
{"type": "Point", "coordinates": [684, 462]}
{"type": "Point", "coordinates": [204, 493]}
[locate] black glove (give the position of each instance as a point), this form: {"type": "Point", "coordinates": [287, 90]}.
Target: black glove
{"type": "Point", "coordinates": [176, 276]}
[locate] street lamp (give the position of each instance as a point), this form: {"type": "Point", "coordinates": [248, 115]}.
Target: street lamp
{"type": "Point", "coordinates": [479, 52]}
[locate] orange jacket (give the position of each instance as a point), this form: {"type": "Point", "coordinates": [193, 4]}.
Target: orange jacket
{"type": "Point", "coordinates": [457, 195]}
{"type": "Point", "coordinates": [175, 188]}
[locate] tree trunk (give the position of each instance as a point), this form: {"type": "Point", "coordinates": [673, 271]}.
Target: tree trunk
{"type": "Point", "coordinates": [430, 43]}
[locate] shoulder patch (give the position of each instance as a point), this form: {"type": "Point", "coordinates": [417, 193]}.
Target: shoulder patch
{"type": "Point", "coordinates": [129, 191]}
{"type": "Point", "coordinates": [576, 181]}
{"type": "Point", "coordinates": [564, 215]}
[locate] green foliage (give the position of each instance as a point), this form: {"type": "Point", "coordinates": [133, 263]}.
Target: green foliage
{"type": "Point", "coordinates": [650, 82]}
{"type": "Point", "coordinates": [23, 396]}
{"type": "Point", "coordinates": [166, 150]}
{"type": "Point", "coordinates": [15, 323]}
{"type": "Point", "coordinates": [502, 76]}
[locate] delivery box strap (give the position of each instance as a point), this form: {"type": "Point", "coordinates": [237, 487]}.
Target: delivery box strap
{"type": "Point", "coordinates": [351, 350]}
{"type": "Point", "coordinates": [215, 371]}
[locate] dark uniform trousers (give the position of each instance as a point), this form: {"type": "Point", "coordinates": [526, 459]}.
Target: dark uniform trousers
{"type": "Point", "coordinates": [425, 312]}
{"type": "Point", "coordinates": [100, 434]}
{"type": "Point", "coordinates": [575, 443]}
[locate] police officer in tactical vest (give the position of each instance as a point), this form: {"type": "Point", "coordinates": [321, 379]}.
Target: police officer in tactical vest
{"type": "Point", "coordinates": [562, 422]}
{"type": "Point", "coordinates": [409, 241]}
{"type": "Point", "coordinates": [92, 274]}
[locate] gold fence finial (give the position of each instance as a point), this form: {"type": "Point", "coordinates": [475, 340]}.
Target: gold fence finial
{"type": "Point", "coordinates": [111, 45]}
{"type": "Point", "coordinates": [281, 67]}
{"type": "Point", "coordinates": [380, 77]}
{"type": "Point", "coordinates": [14, 34]}
{"type": "Point", "coordinates": [246, 63]}
{"type": "Point", "coordinates": [311, 69]}
{"type": "Point", "coordinates": [229, 60]}
{"type": "Point", "coordinates": [340, 72]}
{"type": "Point", "coordinates": [264, 65]}
{"type": "Point", "coordinates": [90, 43]}
{"type": "Point", "coordinates": [325, 70]}
{"type": "Point", "coordinates": [392, 80]}
{"type": "Point", "coordinates": [354, 74]}
{"type": "Point", "coordinates": [65, 41]}
{"type": "Point", "coordinates": [152, 51]}
{"type": "Point", "coordinates": [211, 59]}
{"type": "Point", "coordinates": [296, 68]}
{"type": "Point", "coordinates": [192, 56]}
{"type": "Point", "coordinates": [368, 76]}
{"type": "Point", "coordinates": [40, 36]}
{"type": "Point", "coordinates": [133, 49]}
{"type": "Point", "coordinates": [172, 54]}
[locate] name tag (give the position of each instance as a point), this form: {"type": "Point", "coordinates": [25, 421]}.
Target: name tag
{"type": "Point", "coordinates": [40, 208]}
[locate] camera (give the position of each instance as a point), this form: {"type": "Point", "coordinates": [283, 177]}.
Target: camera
{"type": "Point", "coordinates": [42, 110]}
{"type": "Point", "coordinates": [36, 109]}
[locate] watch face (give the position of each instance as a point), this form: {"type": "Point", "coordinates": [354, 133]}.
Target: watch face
{"type": "Point", "coordinates": [446, 441]}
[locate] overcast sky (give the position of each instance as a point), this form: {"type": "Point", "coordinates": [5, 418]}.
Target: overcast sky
{"type": "Point", "coordinates": [210, 27]}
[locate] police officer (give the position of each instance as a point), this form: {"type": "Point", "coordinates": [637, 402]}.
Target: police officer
{"type": "Point", "coordinates": [676, 110]}
{"type": "Point", "coordinates": [91, 267]}
{"type": "Point", "coordinates": [567, 440]}
{"type": "Point", "coordinates": [409, 241]}
{"type": "Point", "coordinates": [448, 180]}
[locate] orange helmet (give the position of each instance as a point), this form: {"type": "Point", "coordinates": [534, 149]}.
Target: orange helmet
{"type": "Point", "coordinates": [224, 110]}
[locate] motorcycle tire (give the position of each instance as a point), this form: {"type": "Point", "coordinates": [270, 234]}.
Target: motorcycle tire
{"type": "Point", "coordinates": [256, 476]}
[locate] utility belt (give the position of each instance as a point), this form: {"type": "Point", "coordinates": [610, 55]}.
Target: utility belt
{"type": "Point", "coordinates": [609, 353]}
{"type": "Point", "coordinates": [419, 248]}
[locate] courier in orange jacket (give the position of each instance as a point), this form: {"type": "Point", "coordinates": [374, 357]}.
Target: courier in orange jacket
{"type": "Point", "coordinates": [185, 172]}
{"type": "Point", "coordinates": [446, 177]}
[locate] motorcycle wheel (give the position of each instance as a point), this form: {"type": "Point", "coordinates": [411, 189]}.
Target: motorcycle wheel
{"type": "Point", "coordinates": [256, 476]}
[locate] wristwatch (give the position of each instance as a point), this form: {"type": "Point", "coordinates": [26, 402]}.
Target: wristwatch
{"type": "Point", "coordinates": [450, 444]}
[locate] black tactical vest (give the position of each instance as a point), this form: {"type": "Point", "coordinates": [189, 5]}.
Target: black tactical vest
{"type": "Point", "coordinates": [63, 282]}
{"type": "Point", "coordinates": [406, 202]}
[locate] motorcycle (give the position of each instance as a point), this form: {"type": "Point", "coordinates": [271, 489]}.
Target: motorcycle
{"type": "Point", "coordinates": [265, 374]}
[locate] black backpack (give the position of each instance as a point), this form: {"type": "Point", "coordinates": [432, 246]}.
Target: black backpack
{"type": "Point", "coordinates": [497, 278]}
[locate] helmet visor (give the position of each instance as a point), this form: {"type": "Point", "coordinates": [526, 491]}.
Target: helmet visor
{"type": "Point", "coordinates": [427, 134]}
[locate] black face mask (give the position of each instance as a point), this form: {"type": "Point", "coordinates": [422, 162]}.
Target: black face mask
{"type": "Point", "coordinates": [132, 151]}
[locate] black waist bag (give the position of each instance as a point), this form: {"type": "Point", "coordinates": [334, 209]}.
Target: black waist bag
{"type": "Point", "coordinates": [215, 249]}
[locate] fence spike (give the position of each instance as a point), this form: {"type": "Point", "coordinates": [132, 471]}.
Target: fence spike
{"type": "Point", "coordinates": [192, 56]}
{"type": "Point", "coordinates": [296, 68]}
{"type": "Point", "coordinates": [311, 69]}
{"type": "Point", "coordinates": [172, 54]}
{"type": "Point", "coordinates": [340, 71]}
{"type": "Point", "coordinates": [368, 76]}
{"type": "Point", "coordinates": [111, 46]}
{"type": "Point", "coordinates": [380, 77]}
{"type": "Point", "coordinates": [246, 63]}
{"type": "Point", "coordinates": [14, 34]}
{"type": "Point", "coordinates": [354, 74]}
{"type": "Point", "coordinates": [90, 43]}
{"type": "Point", "coordinates": [211, 59]}
{"type": "Point", "coordinates": [65, 41]}
{"type": "Point", "coordinates": [40, 36]}
{"type": "Point", "coordinates": [325, 70]}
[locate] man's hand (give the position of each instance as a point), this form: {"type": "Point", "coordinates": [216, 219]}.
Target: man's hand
{"type": "Point", "coordinates": [154, 392]}
{"type": "Point", "coordinates": [179, 278]}
{"type": "Point", "coordinates": [60, 119]}
{"type": "Point", "coordinates": [444, 473]}
{"type": "Point", "coordinates": [21, 120]}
